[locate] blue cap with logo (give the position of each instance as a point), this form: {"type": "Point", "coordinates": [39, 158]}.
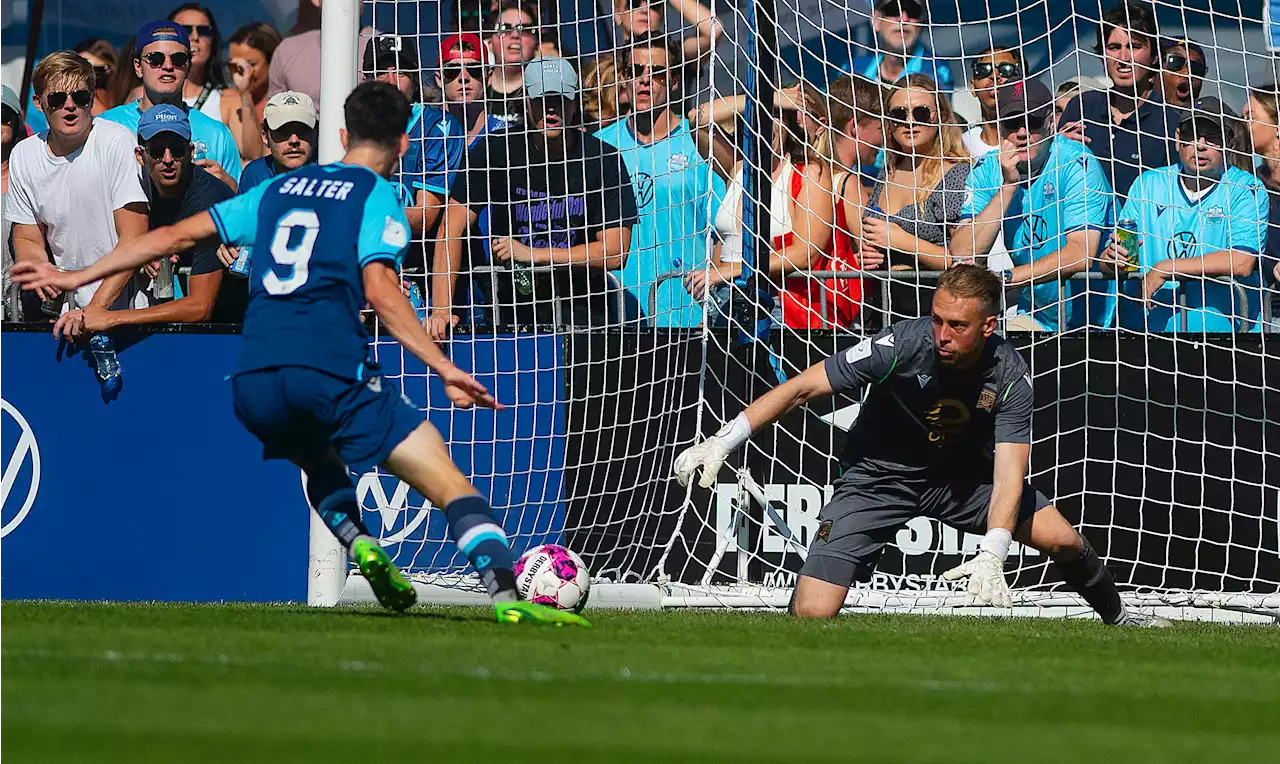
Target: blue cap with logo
{"type": "Point", "coordinates": [164, 118]}
{"type": "Point", "coordinates": [161, 31]}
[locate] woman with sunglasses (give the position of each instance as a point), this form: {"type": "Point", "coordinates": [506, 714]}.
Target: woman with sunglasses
{"type": "Point", "coordinates": [992, 68]}
{"type": "Point", "coordinates": [251, 48]}
{"type": "Point", "coordinates": [207, 79]}
{"type": "Point", "coordinates": [102, 57]}
{"type": "Point", "coordinates": [918, 195]}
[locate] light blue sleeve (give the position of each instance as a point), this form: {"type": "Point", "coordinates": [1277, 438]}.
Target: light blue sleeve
{"type": "Point", "coordinates": [237, 217]}
{"type": "Point", "coordinates": [1250, 208]}
{"type": "Point", "coordinates": [384, 231]}
{"type": "Point", "coordinates": [225, 152]}
{"type": "Point", "coordinates": [980, 187]}
{"type": "Point", "coordinates": [444, 145]}
{"type": "Point", "coordinates": [1087, 199]}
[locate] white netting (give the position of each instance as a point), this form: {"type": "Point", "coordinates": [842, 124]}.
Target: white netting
{"type": "Point", "coordinates": [1158, 438]}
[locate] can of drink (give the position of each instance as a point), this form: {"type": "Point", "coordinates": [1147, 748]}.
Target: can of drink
{"type": "Point", "coordinates": [240, 266]}
{"type": "Point", "coordinates": [164, 280]}
{"type": "Point", "coordinates": [1126, 235]}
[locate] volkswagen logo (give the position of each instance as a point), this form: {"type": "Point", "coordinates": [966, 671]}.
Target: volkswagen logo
{"type": "Point", "coordinates": [21, 478]}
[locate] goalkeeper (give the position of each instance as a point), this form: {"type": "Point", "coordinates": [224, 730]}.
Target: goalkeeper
{"type": "Point", "coordinates": [945, 433]}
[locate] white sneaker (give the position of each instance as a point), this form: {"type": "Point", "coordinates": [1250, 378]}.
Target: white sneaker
{"type": "Point", "coordinates": [1137, 620]}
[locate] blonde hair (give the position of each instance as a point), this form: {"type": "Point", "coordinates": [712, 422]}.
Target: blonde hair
{"type": "Point", "coordinates": [947, 146]}
{"type": "Point", "coordinates": [600, 90]}
{"type": "Point", "coordinates": [62, 69]}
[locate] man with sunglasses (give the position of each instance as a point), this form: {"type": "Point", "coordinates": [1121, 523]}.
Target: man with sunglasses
{"type": "Point", "coordinates": [163, 62]}
{"type": "Point", "coordinates": [289, 123]}
{"type": "Point", "coordinates": [555, 196]}
{"type": "Point", "coordinates": [1200, 218]}
{"type": "Point", "coordinates": [992, 68]}
{"type": "Point", "coordinates": [677, 195]}
{"type": "Point", "coordinates": [176, 189]}
{"type": "Point", "coordinates": [1050, 199]}
{"type": "Point", "coordinates": [464, 70]}
{"type": "Point", "coordinates": [637, 20]}
{"type": "Point", "coordinates": [1182, 72]}
{"type": "Point", "coordinates": [74, 191]}
{"type": "Point", "coordinates": [899, 51]}
{"type": "Point", "coordinates": [1129, 127]}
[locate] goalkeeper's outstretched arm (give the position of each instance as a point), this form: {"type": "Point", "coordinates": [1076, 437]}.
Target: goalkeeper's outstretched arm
{"type": "Point", "coordinates": [710, 454]}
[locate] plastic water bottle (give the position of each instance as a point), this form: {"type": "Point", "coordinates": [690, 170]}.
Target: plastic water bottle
{"type": "Point", "coordinates": [163, 290]}
{"type": "Point", "coordinates": [523, 277]}
{"type": "Point", "coordinates": [107, 365]}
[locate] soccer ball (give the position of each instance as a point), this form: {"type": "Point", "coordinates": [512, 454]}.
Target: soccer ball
{"type": "Point", "coordinates": [554, 576]}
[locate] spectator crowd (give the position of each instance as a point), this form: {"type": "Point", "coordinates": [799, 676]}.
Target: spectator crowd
{"type": "Point", "coordinates": [547, 188]}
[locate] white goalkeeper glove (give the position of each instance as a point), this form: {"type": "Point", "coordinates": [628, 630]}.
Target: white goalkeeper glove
{"type": "Point", "coordinates": [986, 571]}
{"type": "Point", "coordinates": [709, 455]}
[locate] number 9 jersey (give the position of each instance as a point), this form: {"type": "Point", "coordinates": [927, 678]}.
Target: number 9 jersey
{"type": "Point", "coordinates": [312, 232]}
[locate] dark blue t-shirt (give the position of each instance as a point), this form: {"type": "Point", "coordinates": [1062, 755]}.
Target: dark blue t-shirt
{"type": "Point", "coordinates": [1143, 141]}
{"type": "Point", "coordinates": [313, 231]}
{"type": "Point", "coordinates": [260, 171]}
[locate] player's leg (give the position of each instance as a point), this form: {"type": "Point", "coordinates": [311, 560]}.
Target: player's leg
{"type": "Point", "coordinates": [333, 497]}
{"type": "Point", "coordinates": [863, 515]}
{"type": "Point", "coordinates": [1078, 563]}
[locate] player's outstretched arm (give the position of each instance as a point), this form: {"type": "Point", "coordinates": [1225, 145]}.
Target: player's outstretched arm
{"type": "Point", "coordinates": [710, 454]}
{"type": "Point", "coordinates": [127, 256]}
{"type": "Point", "coordinates": [382, 290]}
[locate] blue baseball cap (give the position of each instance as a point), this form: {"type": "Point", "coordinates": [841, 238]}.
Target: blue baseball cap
{"type": "Point", "coordinates": [161, 31]}
{"type": "Point", "coordinates": [164, 118]}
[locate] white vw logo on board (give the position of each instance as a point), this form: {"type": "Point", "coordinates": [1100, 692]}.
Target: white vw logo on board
{"type": "Point", "coordinates": [26, 449]}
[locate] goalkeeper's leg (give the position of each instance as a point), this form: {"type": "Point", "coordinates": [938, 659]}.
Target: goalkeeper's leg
{"type": "Point", "coordinates": [1080, 567]}
{"type": "Point", "coordinates": [423, 461]}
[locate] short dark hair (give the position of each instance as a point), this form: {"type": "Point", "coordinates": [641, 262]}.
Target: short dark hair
{"type": "Point", "coordinates": [675, 53]}
{"type": "Point", "coordinates": [974, 281]}
{"type": "Point", "coordinates": [854, 97]}
{"type": "Point", "coordinates": [1131, 15]}
{"type": "Point", "coordinates": [378, 113]}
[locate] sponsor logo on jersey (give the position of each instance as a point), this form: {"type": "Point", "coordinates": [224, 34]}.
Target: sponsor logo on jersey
{"type": "Point", "coordinates": [643, 188]}
{"type": "Point", "coordinates": [21, 482]}
{"type": "Point", "coordinates": [987, 400]}
{"type": "Point", "coordinates": [1183, 244]}
{"type": "Point", "coordinates": [948, 418]}
{"type": "Point", "coordinates": [1038, 230]}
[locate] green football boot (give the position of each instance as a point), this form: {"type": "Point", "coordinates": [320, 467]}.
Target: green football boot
{"type": "Point", "coordinates": [389, 585]}
{"type": "Point", "coordinates": [527, 612]}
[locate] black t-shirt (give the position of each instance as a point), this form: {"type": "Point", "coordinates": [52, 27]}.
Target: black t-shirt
{"type": "Point", "coordinates": [543, 201]}
{"type": "Point", "coordinates": [925, 417]}
{"type": "Point", "coordinates": [202, 192]}
{"type": "Point", "coordinates": [508, 107]}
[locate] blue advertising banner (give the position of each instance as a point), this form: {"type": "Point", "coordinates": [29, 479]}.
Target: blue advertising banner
{"type": "Point", "coordinates": [159, 494]}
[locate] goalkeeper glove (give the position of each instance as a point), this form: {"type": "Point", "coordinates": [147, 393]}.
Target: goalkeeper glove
{"type": "Point", "coordinates": [986, 571]}
{"type": "Point", "coordinates": [711, 453]}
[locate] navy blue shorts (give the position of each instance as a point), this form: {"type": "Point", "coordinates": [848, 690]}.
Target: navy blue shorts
{"type": "Point", "coordinates": [299, 412]}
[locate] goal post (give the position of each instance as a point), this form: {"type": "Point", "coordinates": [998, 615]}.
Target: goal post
{"type": "Point", "coordinates": [1163, 447]}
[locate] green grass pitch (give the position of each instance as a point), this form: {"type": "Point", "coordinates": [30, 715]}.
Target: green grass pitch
{"type": "Point", "coordinates": [170, 683]}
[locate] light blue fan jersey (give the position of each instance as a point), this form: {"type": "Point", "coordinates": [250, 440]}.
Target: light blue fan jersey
{"type": "Point", "coordinates": [1071, 193]}
{"type": "Point", "coordinates": [313, 231]}
{"type": "Point", "coordinates": [1231, 216]}
{"type": "Point", "coordinates": [677, 196]}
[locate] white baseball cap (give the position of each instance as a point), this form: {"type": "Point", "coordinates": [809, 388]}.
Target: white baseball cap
{"type": "Point", "coordinates": [290, 106]}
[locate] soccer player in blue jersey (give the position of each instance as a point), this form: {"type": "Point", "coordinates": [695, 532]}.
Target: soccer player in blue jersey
{"type": "Point", "coordinates": [1202, 223]}
{"type": "Point", "coordinates": [1049, 196]}
{"type": "Point", "coordinates": [677, 195]}
{"type": "Point", "coordinates": [326, 240]}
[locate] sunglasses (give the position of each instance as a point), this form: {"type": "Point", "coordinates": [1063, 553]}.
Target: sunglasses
{"type": "Point", "coordinates": [156, 59]}
{"type": "Point", "coordinates": [81, 98]}
{"type": "Point", "coordinates": [1206, 129]}
{"type": "Point", "coordinates": [283, 133]}
{"type": "Point", "coordinates": [198, 30]}
{"type": "Point", "coordinates": [1033, 122]}
{"type": "Point", "coordinates": [520, 29]}
{"type": "Point", "coordinates": [901, 115]}
{"type": "Point", "coordinates": [1006, 69]}
{"type": "Point", "coordinates": [174, 144]}
{"type": "Point", "coordinates": [1175, 63]}
{"type": "Point", "coordinates": [636, 71]}
{"type": "Point", "coordinates": [454, 71]}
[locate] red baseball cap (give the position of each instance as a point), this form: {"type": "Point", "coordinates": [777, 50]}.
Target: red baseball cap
{"type": "Point", "coordinates": [466, 47]}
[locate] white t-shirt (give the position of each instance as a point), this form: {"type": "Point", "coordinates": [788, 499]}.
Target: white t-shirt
{"type": "Point", "coordinates": [973, 143]}
{"type": "Point", "coordinates": [728, 222]}
{"type": "Point", "coordinates": [212, 105]}
{"type": "Point", "coordinates": [75, 196]}
{"type": "Point", "coordinates": [998, 258]}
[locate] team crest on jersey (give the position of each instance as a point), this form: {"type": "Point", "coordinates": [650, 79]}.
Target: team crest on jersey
{"type": "Point", "coordinates": [987, 400]}
{"type": "Point", "coordinates": [1214, 215]}
{"type": "Point", "coordinates": [858, 352]}
{"type": "Point", "coordinates": [1050, 192]}
{"type": "Point", "coordinates": [824, 531]}
{"type": "Point", "coordinates": [677, 162]}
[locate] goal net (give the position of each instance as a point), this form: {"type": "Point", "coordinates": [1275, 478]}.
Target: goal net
{"type": "Point", "coordinates": [787, 195]}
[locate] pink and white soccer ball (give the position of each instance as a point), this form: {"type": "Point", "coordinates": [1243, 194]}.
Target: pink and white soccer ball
{"type": "Point", "coordinates": [553, 575]}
